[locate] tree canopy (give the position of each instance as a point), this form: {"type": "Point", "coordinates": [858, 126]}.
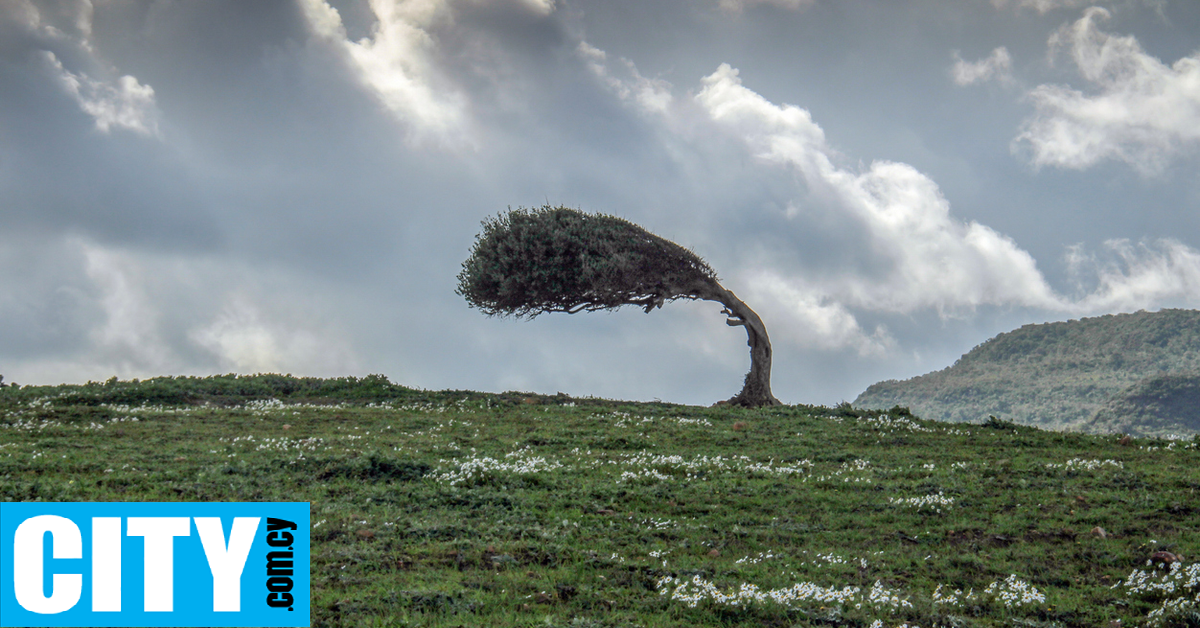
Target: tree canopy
{"type": "Point", "coordinates": [527, 262]}
{"type": "Point", "coordinates": [555, 259]}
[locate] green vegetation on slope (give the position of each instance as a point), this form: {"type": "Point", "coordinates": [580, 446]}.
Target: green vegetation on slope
{"type": "Point", "coordinates": [216, 389]}
{"type": "Point", "coordinates": [465, 509]}
{"type": "Point", "coordinates": [1155, 406]}
{"type": "Point", "coordinates": [1054, 375]}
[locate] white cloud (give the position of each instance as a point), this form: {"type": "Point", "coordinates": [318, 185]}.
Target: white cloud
{"type": "Point", "coordinates": [1133, 277]}
{"type": "Point", "coordinates": [125, 103]}
{"type": "Point", "coordinates": [245, 340]}
{"type": "Point", "coordinates": [933, 259]}
{"type": "Point", "coordinates": [141, 314]}
{"type": "Point", "coordinates": [1041, 6]}
{"type": "Point", "coordinates": [130, 332]}
{"type": "Point", "coordinates": [810, 320]}
{"type": "Point", "coordinates": [69, 22]}
{"type": "Point", "coordinates": [1142, 111]}
{"type": "Point", "coordinates": [122, 102]}
{"type": "Point", "coordinates": [737, 6]}
{"type": "Point", "coordinates": [996, 66]}
{"type": "Point", "coordinates": [396, 61]}
{"type": "Point", "coordinates": [922, 258]}
{"type": "Point", "coordinates": [1045, 6]}
{"type": "Point", "coordinates": [653, 95]}
{"type": "Point", "coordinates": [241, 340]}
{"type": "Point", "coordinates": [541, 7]}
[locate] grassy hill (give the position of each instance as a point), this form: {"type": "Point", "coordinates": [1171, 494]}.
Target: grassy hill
{"type": "Point", "coordinates": [1054, 375]}
{"type": "Point", "coordinates": [468, 509]}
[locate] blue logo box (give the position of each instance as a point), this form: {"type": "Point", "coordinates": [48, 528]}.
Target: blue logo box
{"type": "Point", "coordinates": [154, 564]}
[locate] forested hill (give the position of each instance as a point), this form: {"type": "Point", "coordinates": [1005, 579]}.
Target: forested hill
{"type": "Point", "coordinates": [1156, 406]}
{"type": "Point", "coordinates": [1056, 375]}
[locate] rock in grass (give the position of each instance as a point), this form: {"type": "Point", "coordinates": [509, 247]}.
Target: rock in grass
{"type": "Point", "coordinates": [1165, 558]}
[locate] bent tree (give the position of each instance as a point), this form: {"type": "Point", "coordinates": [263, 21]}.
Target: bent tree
{"type": "Point", "coordinates": [527, 262]}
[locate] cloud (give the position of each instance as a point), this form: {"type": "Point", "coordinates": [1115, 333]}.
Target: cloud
{"type": "Point", "coordinates": [66, 22]}
{"type": "Point", "coordinates": [1142, 112]}
{"type": "Point", "coordinates": [284, 223]}
{"type": "Point", "coordinates": [541, 7]}
{"type": "Point", "coordinates": [930, 259]}
{"type": "Point", "coordinates": [1041, 6]}
{"type": "Point", "coordinates": [137, 314]}
{"type": "Point", "coordinates": [653, 95]}
{"type": "Point", "coordinates": [1128, 277]}
{"type": "Point", "coordinates": [119, 102]}
{"type": "Point", "coordinates": [737, 6]}
{"type": "Point", "coordinates": [1045, 6]}
{"type": "Point", "coordinates": [125, 103]}
{"type": "Point", "coordinates": [997, 66]}
{"type": "Point", "coordinates": [130, 332]}
{"type": "Point", "coordinates": [812, 321]}
{"type": "Point", "coordinates": [246, 340]}
{"type": "Point", "coordinates": [397, 60]}
{"type": "Point", "coordinates": [911, 254]}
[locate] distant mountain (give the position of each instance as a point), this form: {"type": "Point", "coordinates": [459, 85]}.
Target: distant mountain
{"type": "Point", "coordinates": [1056, 375]}
{"type": "Point", "coordinates": [1156, 406]}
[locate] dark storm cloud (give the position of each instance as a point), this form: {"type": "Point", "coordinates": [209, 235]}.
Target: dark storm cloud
{"type": "Point", "coordinates": [46, 301]}
{"type": "Point", "coordinates": [282, 186]}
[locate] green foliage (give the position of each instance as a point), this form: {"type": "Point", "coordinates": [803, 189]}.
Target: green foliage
{"type": "Point", "coordinates": [555, 259]}
{"type": "Point", "coordinates": [216, 389]}
{"type": "Point", "coordinates": [1156, 406]}
{"type": "Point", "coordinates": [450, 509]}
{"type": "Point", "coordinates": [998, 424]}
{"type": "Point", "coordinates": [1054, 375]}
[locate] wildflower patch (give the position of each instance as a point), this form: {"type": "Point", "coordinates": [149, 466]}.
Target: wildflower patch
{"type": "Point", "coordinates": [696, 590]}
{"type": "Point", "coordinates": [932, 502]}
{"type": "Point", "coordinates": [1177, 591]}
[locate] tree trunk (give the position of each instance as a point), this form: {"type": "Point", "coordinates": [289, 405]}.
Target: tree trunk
{"type": "Point", "coordinates": [756, 391]}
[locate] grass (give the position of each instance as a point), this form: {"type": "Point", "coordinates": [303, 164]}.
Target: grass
{"type": "Point", "coordinates": [465, 509]}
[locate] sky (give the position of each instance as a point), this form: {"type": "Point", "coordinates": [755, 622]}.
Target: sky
{"type": "Point", "coordinates": [291, 186]}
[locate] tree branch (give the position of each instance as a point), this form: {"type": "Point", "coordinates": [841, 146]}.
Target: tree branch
{"type": "Point", "coordinates": [653, 301]}
{"type": "Point", "coordinates": [733, 320]}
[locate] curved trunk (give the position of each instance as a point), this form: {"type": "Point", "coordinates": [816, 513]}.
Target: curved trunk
{"type": "Point", "coordinates": [757, 389]}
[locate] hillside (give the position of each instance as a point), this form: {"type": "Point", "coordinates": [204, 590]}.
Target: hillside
{"type": "Point", "coordinates": [1053, 375]}
{"type": "Point", "coordinates": [1156, 406]}
{"type": "Point", "coordinates": [455, 508]}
